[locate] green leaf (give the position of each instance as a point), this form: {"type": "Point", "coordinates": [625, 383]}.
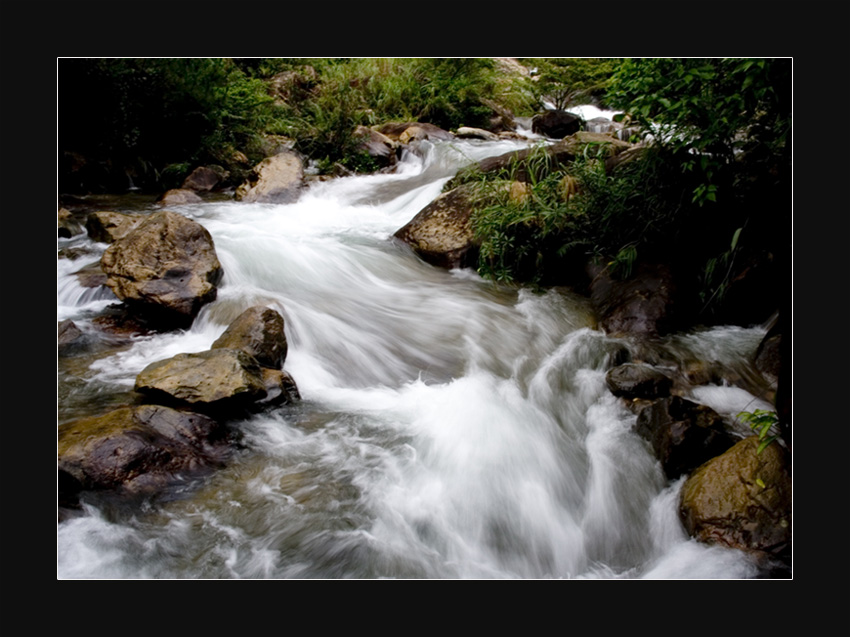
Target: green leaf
{"type": "Point", "coordinates": [764, 444]}
{"type": "Point", "coordinates": [735, 237]}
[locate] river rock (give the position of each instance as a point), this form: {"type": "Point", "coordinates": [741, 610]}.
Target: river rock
{"type": "Point", "coordinates": [276, 179]}
{"type": "Point", "coordinates": [280, 388]}
{"type": "Point", "coordinates": [556, 124]}
{"type": "Point", "coordinates": [638, 380]}
{"type": "Point", "coordinates": [214, 381]}
{"type": "Point", "coordinates": [643, 305]}
{"type": "Point", "coordinates": [468, 132]}
{"type": "Point", "coordinates": [441, 233]}
{"type": "Point", "coordinates": [203, 179]}
{"type": "Point", "coordinates": [166, 268]}
{"type": "Point", "coordinates": [136, 449]}
{"type": "Point", "coordinates": [67, 224]}
{"type": "Point", "coordinates": [106, 226]}
{"type": "Point", "coordinates": [682, 433]}
{"type": "Point", "coordinates": [377, 145]}
{"type": "Point", "coordinates": [91, 275]}
{"type": "Point", "coordinates": [741, 499]}
{"type": "Point", "coordinates": [258, 331]}
{"type": "Point", "coordinates": [70, 338]}
{"type": "Point", "coordinates": [179, 197]}
{"type": "Point", "coordinates": [406, 132]}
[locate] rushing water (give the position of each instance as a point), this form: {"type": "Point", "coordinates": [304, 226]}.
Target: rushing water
{"type": "Point", "coordinates": [449, 428]}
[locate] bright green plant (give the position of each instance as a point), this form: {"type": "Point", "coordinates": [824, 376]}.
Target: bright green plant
{"type": "Point", "coordinates": [761, 421]}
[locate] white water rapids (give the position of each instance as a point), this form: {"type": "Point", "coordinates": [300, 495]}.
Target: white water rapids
{"type": "Point", "coordinates": [449, 428]}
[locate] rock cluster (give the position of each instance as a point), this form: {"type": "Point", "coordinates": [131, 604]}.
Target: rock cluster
{"type": "Point", "coordinates": [181, 425]}
{"type": "Point", "coordinates": [732, 495]}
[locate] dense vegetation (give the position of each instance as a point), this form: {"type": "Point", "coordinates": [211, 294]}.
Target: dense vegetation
{"type": "Point", "coordinates": [710, 193]}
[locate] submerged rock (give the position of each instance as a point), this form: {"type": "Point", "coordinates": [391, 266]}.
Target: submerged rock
{"type": "Point", "coordinates": [70, 338]}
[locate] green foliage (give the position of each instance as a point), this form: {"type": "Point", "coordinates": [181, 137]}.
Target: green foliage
{"type": "Point", "coordinates": [518, 229]}
{"type": "Point", "coordinates": [761, 421]}
{"type": "Point", "coordinates": [710, 109]}
{"type": "Point", "coordinates": [159, 111]}
{"type": "Point", "coordinates": [446, 92]}
{"type": "Point", "coordinates": [572, 81]}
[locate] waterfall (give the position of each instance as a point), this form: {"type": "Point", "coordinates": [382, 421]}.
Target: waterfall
{"type": "Point", "coordinates": [449, 427]}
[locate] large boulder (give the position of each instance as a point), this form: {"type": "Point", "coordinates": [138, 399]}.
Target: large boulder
{"type": "Point", "coordinates": [166, 268]}
{"type": "Point", "coordinates": [276, 179]}
{"type": "Point", "coordinates": [136, 449]}
{"type": "Point", "coordinates": [742, 499]}
{"type": "Point", "coordinates": [376, 145]}
{"type": "Point", "coordinates": [220, 381]}
{"type": "Point", "coordinates": [204, 179]}
{"type": "Point", "coordinates": [556, 124]}
{"type": "Point", "coordinates": [645, 304]}
{"type": "Point", "coordinates": [683, 434]}
{"type": "Point", "coordinates": [259, 331]}
{"type": "Point", "coordinates": [441, 233]}
{"type": "Point", "coordinates": [106, 226]}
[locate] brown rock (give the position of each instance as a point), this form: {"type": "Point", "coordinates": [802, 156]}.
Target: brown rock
{"type": "Point", "coordinates": [441, 233]}
{"type": "Point", "coordinates": [218, 380]}
{"type": "Point", "coordinates": [106, 226]}
{"type": "Point", "coordinates": [166, 267]}
{"type": "Point", "coordinates": [259, 331]}
{"type": "Point", "coordinates": [742, 499]}
{"type": "Point", "coordinates": [683, 434]}
{"type": "Point", "coordinates": [178, 197]}
{"type": "Point", "coordinates": [202, 179]}
{"type": "Point", "coordinates": [136, 448]}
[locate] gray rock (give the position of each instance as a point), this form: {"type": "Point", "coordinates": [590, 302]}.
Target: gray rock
{"type": "Point", "coordinates": [276, 179]}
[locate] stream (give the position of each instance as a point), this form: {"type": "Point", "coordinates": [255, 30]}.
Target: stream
{"type": "Point", "coordinates": [449, 427]}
